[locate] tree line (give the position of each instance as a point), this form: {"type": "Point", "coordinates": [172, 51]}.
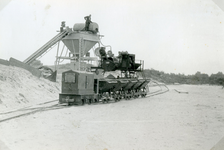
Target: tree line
{"type": "Point", "coordinates": [197, 78]}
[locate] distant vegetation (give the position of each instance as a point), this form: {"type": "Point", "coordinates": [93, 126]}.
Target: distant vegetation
{"type": "Point", "coordinates": [197, 78]}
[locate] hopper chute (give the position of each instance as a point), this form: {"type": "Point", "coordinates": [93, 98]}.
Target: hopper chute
{"type": "Point", "coordinates": [80, 41]}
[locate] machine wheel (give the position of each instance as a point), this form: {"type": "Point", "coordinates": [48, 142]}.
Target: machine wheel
{"type": "Point", "coordinates": [82, 102]}
{"type": "Point", "coordinates": [89, 101]}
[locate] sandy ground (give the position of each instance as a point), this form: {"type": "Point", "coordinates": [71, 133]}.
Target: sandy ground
{"type": "Point", "coordinates": [193, 121]}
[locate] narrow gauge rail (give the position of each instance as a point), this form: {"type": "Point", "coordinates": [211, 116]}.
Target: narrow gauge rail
{"type": "Point", "coordinates": [9, 115]}
{"type": "Point", "coordinates": [6, 116]}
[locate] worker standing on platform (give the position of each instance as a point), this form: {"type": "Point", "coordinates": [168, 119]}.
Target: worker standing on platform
{"type": "Point", "coordinates": [88, 21]}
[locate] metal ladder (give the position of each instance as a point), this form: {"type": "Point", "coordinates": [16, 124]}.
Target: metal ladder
{"type": "Point", "coordinates": [81, 55]}
{"type": "Point", "coordinates": [46, 47]}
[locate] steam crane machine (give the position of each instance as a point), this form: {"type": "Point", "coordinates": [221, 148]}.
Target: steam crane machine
{"type": "Point", "coordinates": [87, 82]}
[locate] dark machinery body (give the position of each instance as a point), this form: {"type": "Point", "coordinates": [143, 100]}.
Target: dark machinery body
{"type": "Point", "coordinates": [80, 87]}
{"type": "Point", "coordinates": [123, 62]}
{"type": "Point", "coordinates": [76, 87]}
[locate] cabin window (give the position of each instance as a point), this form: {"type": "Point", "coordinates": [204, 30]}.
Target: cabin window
{"type": "Point", "coordinates": [70, 77]}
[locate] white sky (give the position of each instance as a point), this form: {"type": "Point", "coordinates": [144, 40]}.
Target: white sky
{"type": "Point", "coordinates": [174, 36]}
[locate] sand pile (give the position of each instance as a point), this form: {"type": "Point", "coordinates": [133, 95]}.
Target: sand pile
{"type": "Point", "coordinates": [19, 88]}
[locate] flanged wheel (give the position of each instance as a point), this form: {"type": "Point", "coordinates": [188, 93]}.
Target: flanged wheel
{"type": "Point", "coordinates": [89, 101]}
{"type": "Point", "coordinates": [81, 102]}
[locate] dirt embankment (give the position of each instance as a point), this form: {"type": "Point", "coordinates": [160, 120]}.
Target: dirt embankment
{"type": "Point", "coordinates": [19, 88]}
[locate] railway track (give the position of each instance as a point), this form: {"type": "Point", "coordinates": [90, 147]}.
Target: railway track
{"type": "Point", "coordinates": [5, 116]}
{"type": "Point", "coordinates": [53, 105]}
{"type": "Point", "coordinates": [163, 89]}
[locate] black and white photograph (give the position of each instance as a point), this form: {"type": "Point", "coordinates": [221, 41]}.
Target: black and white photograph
{"type": "Point", "coordinates": [111, 75]}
